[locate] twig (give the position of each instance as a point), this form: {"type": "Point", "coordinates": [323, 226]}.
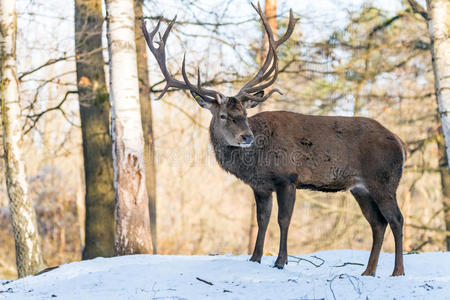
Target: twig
{"type": "Point", "coordinates": [351, 278]}
{"type": "Point", "coordinates": [48, 63]}
{"type": "Point", "coordinates": [37, 116]}
{"type": "Point", "coordinates": [46, 270]}
{"type": "Point", "coordinates": [445, 232]}
{"type": "Point", "coordinates": [419, 247]}
{"type": "Point", "coordinates": [204, 281]}
{"type": "Point", "coordinates": [418, 9]}
{"type": "Point", "coordinates": [349, 263]}
{"type": "Point", "coordinates": [299, 259]}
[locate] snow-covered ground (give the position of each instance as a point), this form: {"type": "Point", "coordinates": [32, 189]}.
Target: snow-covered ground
{"type": "Point", "coordinates": [322, 275]}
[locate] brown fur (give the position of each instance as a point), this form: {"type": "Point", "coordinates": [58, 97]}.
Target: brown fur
{"type": "Point", "coordinates": [294, 151]}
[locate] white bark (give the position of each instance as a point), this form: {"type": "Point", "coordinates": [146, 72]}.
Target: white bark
{"type": "Point", "coordinates": [132, 217]}
{"type": "Point", "coordinates": [23, 218]}
{"type": "Point", "coordinates": [439, 28]}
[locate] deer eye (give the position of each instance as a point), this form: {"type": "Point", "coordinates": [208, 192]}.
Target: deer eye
{"type": "Point", "coordinates": [223, 117]}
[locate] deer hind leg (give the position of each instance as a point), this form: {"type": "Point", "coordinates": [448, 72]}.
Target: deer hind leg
{"type": "Point", "coordinates": [387, 203]}
{"type": "Point", "coordinates": [263, 210]}
{"type": "Point", "coordinates": [377, 222]}
{"type": "Point", "coordinates": [286, 200]}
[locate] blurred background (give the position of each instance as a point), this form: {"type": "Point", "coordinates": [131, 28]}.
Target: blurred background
{"type": "Point", "coordinates": [347, 57]}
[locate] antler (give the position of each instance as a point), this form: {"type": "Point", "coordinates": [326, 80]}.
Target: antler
{"type": "Point", "coordinates": [261, 80]}
{"type": "Point", "coordinates": [265, 77]}
{"type": "Point", "coordinates": [160, 55]}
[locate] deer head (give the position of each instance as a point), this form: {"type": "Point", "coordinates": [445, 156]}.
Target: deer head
{"type": "Point", "coordinates": [229, 113]}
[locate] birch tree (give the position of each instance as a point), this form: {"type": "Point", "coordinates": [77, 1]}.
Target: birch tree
{"type": "Point", "coordinates": [132, 216]}
{"type": "Point", "coordinates": [437, 17]}
{"type": "Point", "coordinates": [439, 28]}
{"type": "Point", "coordinates": [147, 120]}
{"type": "Point", "coordinates": [23, 217]}
{"type": "Point", "coordinates": [94, 114]}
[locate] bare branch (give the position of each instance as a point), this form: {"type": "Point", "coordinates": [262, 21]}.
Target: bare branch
{"type": "Point", "coordinates": [418, 9]}
{"type": "Point", "coordinates": [36, 117]}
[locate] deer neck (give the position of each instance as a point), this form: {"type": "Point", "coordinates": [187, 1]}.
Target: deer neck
{"type": "Point", "coordinates": [227, 156]}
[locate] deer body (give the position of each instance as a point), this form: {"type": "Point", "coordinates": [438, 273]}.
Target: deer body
{"type": "Point", "coordinates": [283, 151]}
{"type": "Point", "coordinates": [290, 148]}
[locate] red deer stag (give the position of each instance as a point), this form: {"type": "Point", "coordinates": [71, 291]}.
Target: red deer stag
{"type": "Point", "coordinates": [283, 151]}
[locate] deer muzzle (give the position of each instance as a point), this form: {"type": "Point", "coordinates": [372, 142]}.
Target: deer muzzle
{"type": "Point", "coordinates": [246, 140]}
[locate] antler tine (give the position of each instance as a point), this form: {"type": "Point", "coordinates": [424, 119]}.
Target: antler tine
{"type": "Point", "coordinates": [168, 29]}
{"type": "Point", "coordinates": [271, 59]}
{"type": "Point", "coordinates": [285, 37]}
{"type": "Point", "coordinates": [209, 95]}
{"type": "Point", "coordinates": [289, 30]}
{"type": "Point", "coordinates": [261, 99]}
{"type": "Point", "coordinates": [260, 74]}
{"type": "Point", "coordinates": [204, 90]}
{"type": "Point", "coordinates": [160, 55]}
{"type": "Point", "coordinates": [149, 37]}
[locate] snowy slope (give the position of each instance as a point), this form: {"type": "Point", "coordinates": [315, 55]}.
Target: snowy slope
{"type": "Point", "coordinates": [234, 277]}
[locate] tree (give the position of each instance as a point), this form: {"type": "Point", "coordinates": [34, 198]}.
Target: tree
{"type": "Point", "coordinates": [439, 28]}
{"type": "Point", "coordinates": [23, 216]}
{"type": "Point", "coordinates": [132, 217]}
{"type": "Point", "coordinates": [147, 120]}
{"type": "Point", "coordinates": [94, 114]}
{"type": "Point", "coordinates": [437, 17]}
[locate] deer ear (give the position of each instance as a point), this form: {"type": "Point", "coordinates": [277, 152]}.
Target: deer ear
{"type": "Point", "coordinates": [252, 103]}
{"type": "Point", "coordinates": [205, 103]}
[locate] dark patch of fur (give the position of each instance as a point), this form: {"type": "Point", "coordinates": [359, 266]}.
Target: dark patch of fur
{"type": "Point", "coordinates": [325, 189]}
{"type": "Point", "coordinates": [305, 142]}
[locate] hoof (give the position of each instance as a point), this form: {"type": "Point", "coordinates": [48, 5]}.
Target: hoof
{"type": "Point", "coordinates": [368, 273]}
{"type": "Point", "coordinates": [278, 267]}
{"type": "Point", "coordinates": [398, 273]}
{"type": "Point", "coordinates": [280, 263]}
{"type": "Point", "coordinates": [254, 259]}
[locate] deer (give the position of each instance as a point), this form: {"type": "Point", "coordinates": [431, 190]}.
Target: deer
{"type": "Point", "coordinates": [281, 151]}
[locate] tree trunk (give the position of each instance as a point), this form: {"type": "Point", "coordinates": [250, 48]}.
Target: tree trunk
{"type": "Point", "coordinates": [147, 120]}
{"type": "Point", "coordinates": [270, 10]}
{"type": "Point", "coordinates": [94, 114]}
{"type": "Point", "coordinates": [445, 184]}
{"type": "Point", "coordinates": [23, 216]}
{"type": "Point", "coordinates": [439, 28]}
{"type": "Point", "coordinates": [132, 217]}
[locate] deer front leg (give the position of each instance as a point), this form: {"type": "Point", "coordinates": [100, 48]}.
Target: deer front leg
{"type": "Point", "coordinates": [286, 200]}
{"type": "Point", "coordinates": [263, 210]}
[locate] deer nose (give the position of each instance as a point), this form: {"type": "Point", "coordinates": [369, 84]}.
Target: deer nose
{"type": "Point", "coordinates": [247, 138]}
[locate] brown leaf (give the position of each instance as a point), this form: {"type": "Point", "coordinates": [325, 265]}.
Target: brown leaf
{"type": "Point", "coordinates": [84, 81]}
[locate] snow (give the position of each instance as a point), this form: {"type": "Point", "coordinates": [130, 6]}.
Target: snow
{"type": "Point", "coordinates": [234, 277]}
